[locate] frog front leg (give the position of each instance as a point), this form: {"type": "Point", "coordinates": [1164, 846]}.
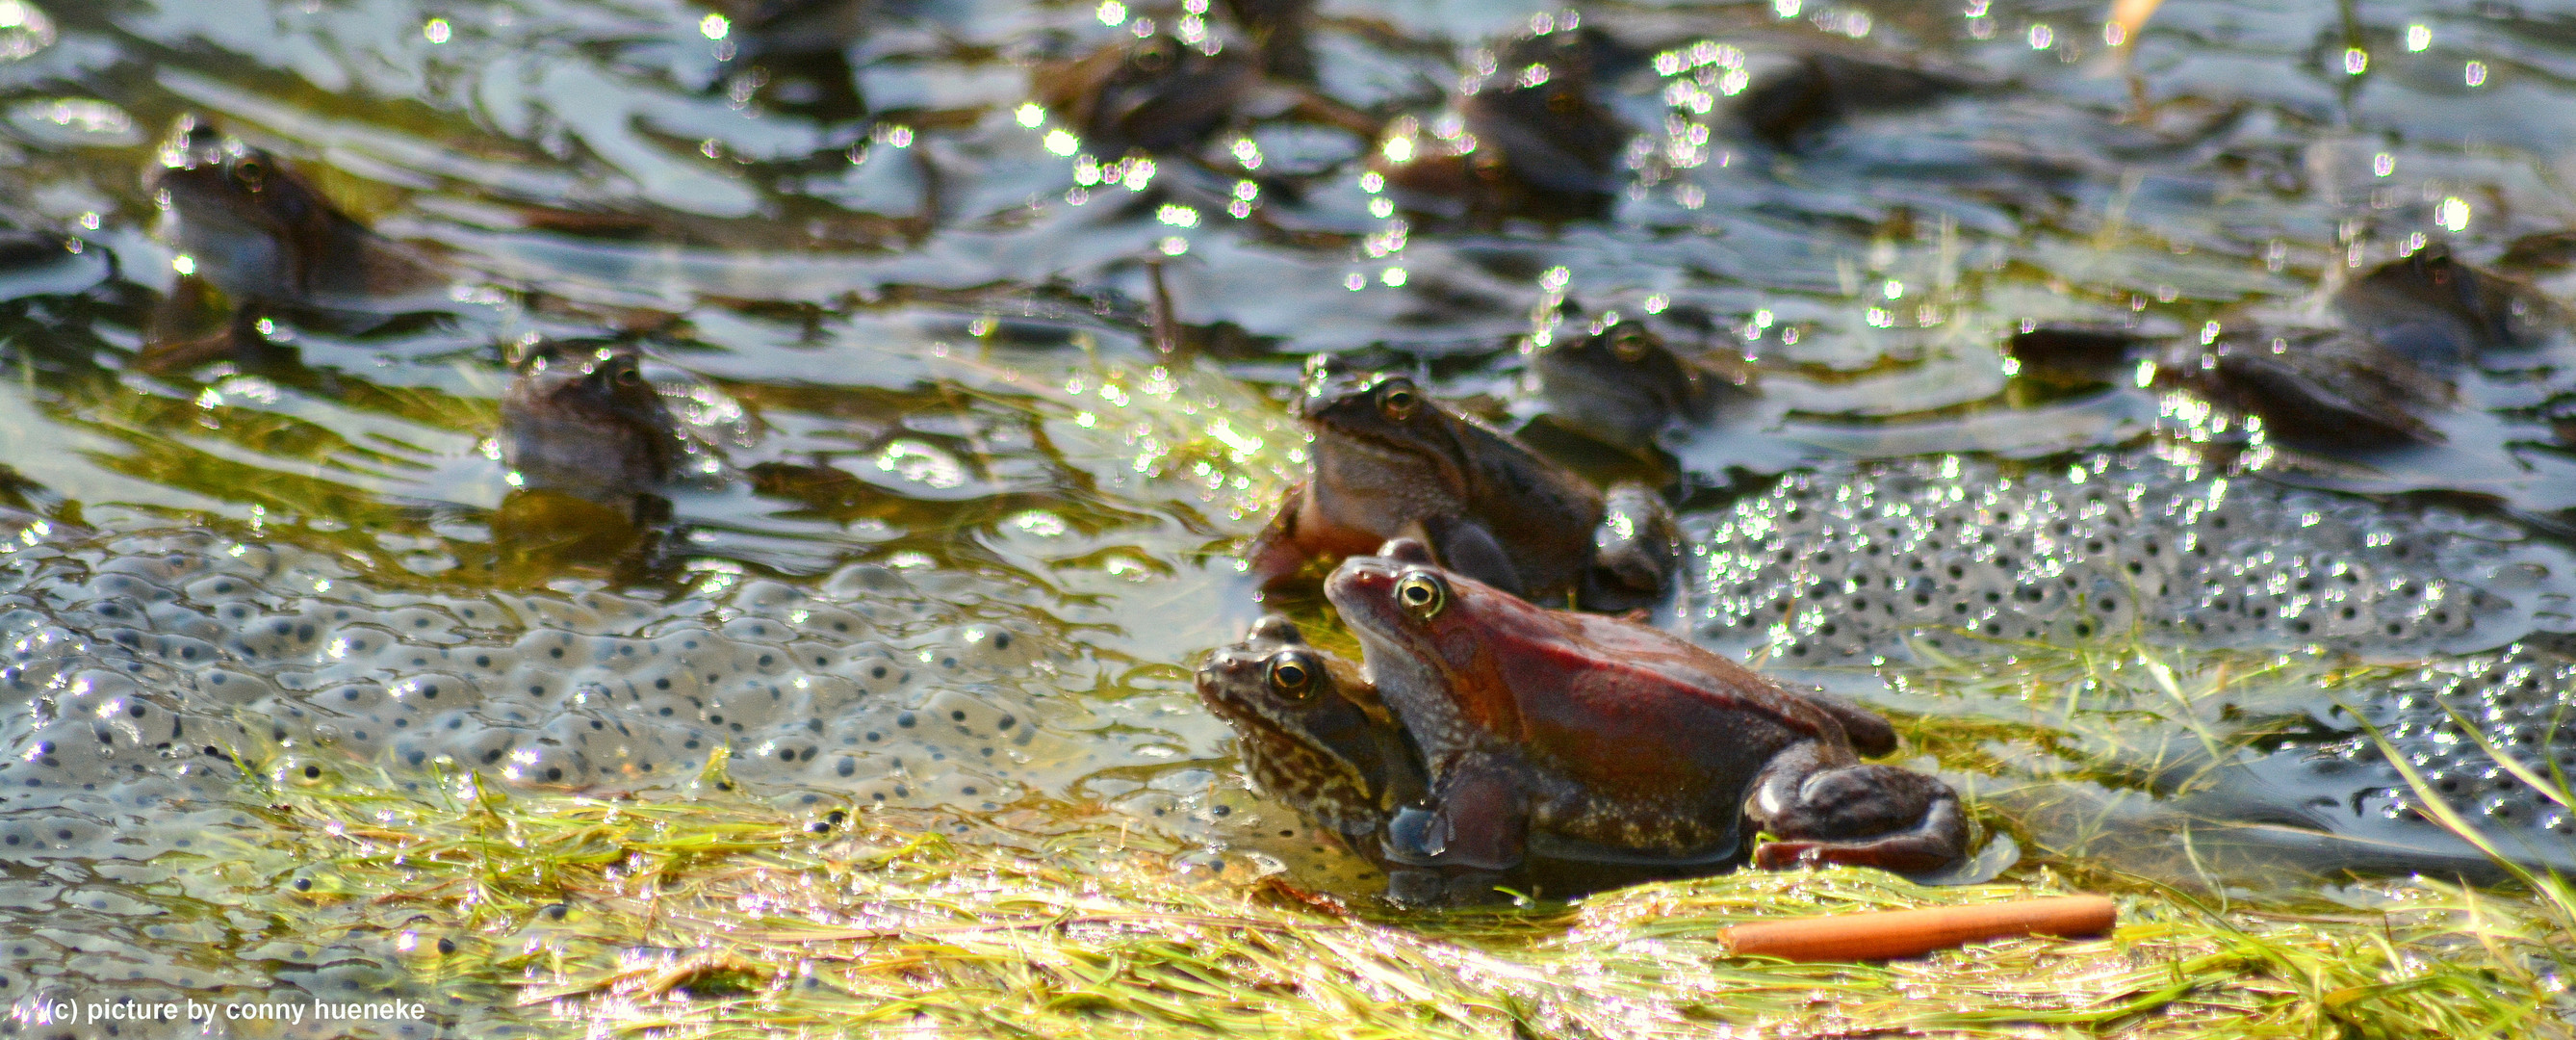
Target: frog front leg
{"type": "Point", "coordinates": [1477, 819]}
{"type": "Point", "coordinates": [1862, 814]}
{"type": "Point", "coordinates": [1470, 548]}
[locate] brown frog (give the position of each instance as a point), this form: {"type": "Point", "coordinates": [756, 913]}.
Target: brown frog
{"type": "Point", "coordinates": [793, 54]}
{"type": "Point", "coordinates": [1531, 139]}
{"type": "Point", "coordinates": [2377, 381]}
{"type": "Point", "coordinates": [2327, 388]}
{"type": "Point", "coordinates": [255, 228]}
{"type": "Point", "coordinates": [1155, 94]}
{"type": "Point", "coordinates": [1797, 105]}
{"type": "Point", "coordinates": [1388, 461]}
{"type": "Point", "coordinates": [1312, 733]}
{"type": "Point", "coordinates": [247, 224]}
{"type": "Point", "coordinates": [1279, 30]}
{"type": "Point", "coordinates": [2439, 311]}
{"type": "Point", "coordinates": [581, 419]}
{"type": "Point", "coordinates": [1619, 736]}
{"type": "Point", "coordinates": [1624, 386]}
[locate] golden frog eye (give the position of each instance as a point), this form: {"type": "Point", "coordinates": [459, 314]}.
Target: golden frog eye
{"type": "Point", "coordinates": [1422, 594]}
{"type": "Point", "coordinates": [1398, 401]}
{"type": "Point", "coordinates": [1293, 676]}
{"type": "Point", "coordinates": [251, 172]}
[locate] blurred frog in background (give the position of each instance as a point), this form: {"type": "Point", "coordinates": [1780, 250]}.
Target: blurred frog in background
{"type": "Point", "coordinates": [257, 239]}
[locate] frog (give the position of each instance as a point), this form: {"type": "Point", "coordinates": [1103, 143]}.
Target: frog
{"type": "Point", "coordinates": [2441, 312]}
{"type": "Point", "coordinates": [251, 226]}
{"type": "Point", "coordinates": [1539, 725]}
{"type": "Point", "coordinates": [1623, 385]}
{"type": "Point", "coordinates": [1279, 30]}
{"type": "Point", "coordinates": [1388, 460]}
{"type": "Point", "coordinates": [1154, 94]}
{"type": "Point", "coordinates": [793, 55]}
{"type": "Point", "coordinates": [1312, 733]}
{"type": "Point", "coordinates": [2323, 388]}
{"type": "Point", "coordinates": [581, 419]}
{"type": "Point", "coordinates": [2380, 378]}
{"type": "Point", "coordinates": [255, 227]}
{"type": "Point", "coordinates": [1795, 107]}
{"type": "Point", "coordinates": [1531, 139]}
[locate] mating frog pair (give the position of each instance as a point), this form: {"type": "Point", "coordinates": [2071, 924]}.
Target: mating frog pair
{"type": "Point", "coordinates": [1488, 732]}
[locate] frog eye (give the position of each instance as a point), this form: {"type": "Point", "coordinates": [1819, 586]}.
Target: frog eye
{"type": "Point", "coordinates": [251, 172]}
{"type": "Point", "coordinates": [1293, 676]}
{"type": "Point", "coordinates": [628, 375]}
{"type": "Point", "coordinates": [1421, 594]}
{"type": "Point", "coordinates": [1398, 401]}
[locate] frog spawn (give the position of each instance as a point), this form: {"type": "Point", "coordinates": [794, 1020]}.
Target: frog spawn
{"type": "Point", "coordinates": [1848, 568]}
{"type": "Point", "coordinates": [1867, 565]}
{"type": "Point", "coordinates": [152, 660]}
{"type": "Point", "coordinates": [2518, 701]}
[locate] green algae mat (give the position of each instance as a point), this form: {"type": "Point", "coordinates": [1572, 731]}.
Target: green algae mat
{"type": "Point", "coordinates": [2163, 415]}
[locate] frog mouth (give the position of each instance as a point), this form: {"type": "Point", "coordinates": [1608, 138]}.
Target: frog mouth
{"type": "Point", "coordinates": [1386, 453]}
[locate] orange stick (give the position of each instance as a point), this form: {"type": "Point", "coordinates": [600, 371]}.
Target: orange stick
{"type": "Point", "coordinates": [1882, 934]}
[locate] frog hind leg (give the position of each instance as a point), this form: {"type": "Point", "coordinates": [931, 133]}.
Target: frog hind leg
{"type": "Point", "coordinates": [1863, 815]}
{"type": "Point", "coordinates": [1476, 819]}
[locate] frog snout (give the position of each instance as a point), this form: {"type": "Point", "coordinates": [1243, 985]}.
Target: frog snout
{"type": "Point", "coordinates": [1222, 666]}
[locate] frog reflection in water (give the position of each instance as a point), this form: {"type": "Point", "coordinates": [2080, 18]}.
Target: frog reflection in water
{"type": "Point", "coordinates": [1542, 729]}
{"type": "Point", "coordinates": [248, 225]}
{"type": "Point", "coordinates": [1388, 462]}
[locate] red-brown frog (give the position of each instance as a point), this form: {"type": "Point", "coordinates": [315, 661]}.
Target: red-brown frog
{"type": "Point", "coordinates": [1620, 737]}
{"type": "Point", "coordinates": [1389, 462]}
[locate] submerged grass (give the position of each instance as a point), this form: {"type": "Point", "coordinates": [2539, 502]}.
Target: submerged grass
{"type": "Point", "coordinates": [710, 914]}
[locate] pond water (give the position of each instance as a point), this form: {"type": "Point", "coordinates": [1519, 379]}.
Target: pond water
{"type": "Point", "coordinates": [955, 528]}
